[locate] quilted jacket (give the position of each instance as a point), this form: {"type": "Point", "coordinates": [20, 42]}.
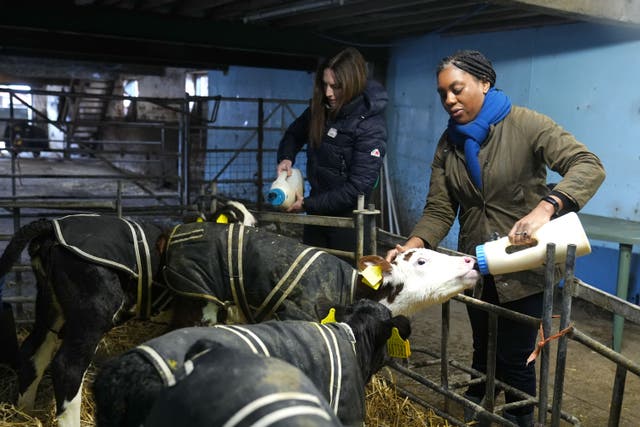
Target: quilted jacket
{"type": "Point", "coordinates": [348, 160]}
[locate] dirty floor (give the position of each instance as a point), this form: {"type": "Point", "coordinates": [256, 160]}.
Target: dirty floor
{"type": "Point", "coordinates": [589, 377]}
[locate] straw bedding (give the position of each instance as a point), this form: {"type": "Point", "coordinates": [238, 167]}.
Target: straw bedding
{"type": "Point", "coordinates": [385, 407]}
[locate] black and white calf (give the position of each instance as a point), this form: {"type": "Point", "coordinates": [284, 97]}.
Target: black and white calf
{"type": "Point", "coordinates": [339, 358]}
{"type": "Point", "coordinates": [92, 273]}
{"type": "Point", "coordinates": [236, 274]}
{"type": "Point", "coordinates": [224, 387]}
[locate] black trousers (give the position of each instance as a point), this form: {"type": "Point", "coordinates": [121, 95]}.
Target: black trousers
{"type": "Point", "coordinates": [516, 341]}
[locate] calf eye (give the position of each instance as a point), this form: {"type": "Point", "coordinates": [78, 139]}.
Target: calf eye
{"type": "Point", "coordinates": [422, 261]}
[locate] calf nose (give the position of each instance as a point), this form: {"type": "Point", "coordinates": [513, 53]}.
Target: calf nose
{"type": "Point", "coordinates": [469, 260]}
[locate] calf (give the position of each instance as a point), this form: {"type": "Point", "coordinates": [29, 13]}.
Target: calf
{"type": "Point", "coordinates": [247, 275]}
{"type": "Point", "coordinates": [92, 273]}
{"type": "Point", "coordinates": [227, 387]}
{"type": "Point", "coordinates": [339, 358]}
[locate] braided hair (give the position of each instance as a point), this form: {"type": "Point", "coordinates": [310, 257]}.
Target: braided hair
{"type": "Point", "coordinates": [473, 62]}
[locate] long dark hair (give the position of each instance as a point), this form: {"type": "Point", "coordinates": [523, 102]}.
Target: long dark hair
{"type": "Point", "coordinates": [350, 70]}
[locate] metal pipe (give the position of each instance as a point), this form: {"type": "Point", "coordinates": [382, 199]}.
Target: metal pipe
{"type": "Point", "coordinates": [502, 312]}
{"type": "Point", "coordinates": [616, 396]}
{"type": "Point", "coordinates": [602, 349]}
{"type": "Point", "coordinates": [373, 234]}
{"type": "Point", "coordinates": [300, 7]}
{"type": "Point", "coordinates": [119, 199]}
{"type": "Point", "coordinates": [260, 137]}
{"type": "Point", "coordinates": [565, 318]}
{"type": "Point", "coordinates": [444, 350]}
{"type": "Point", "coordinates": [442, 414]}
{"type": "Point", "coordinates": [479, 377]}
{"type": "Point", "coordinates": [183, 149]}
{"type": "Point", "coordinates": [492, 351]}
{"type": "Point", "coordinates": [359, 224]}
{"type": "Point", "coordinates": [547, 311]}
{"type": "Point", "coordinates": [333, 221]}
{"type": "Point", "coordinates": [489, 416]}
{"type": "Point", "coordinates": [622, 288]}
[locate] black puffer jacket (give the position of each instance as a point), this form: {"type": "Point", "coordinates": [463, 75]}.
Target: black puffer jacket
{"type": "Point", "coordinates": [348, 161]}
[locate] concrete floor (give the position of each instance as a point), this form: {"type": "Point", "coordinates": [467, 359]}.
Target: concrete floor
{"type": "Point", "coordinates": [589, 376]}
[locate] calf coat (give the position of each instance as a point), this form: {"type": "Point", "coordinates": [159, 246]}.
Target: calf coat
{"type": "Point", "coordinates": [263, 274]}
{"type": "Point", "coordinates": [80, 295]}
{"type": "Point", "coordinates": [119, 243]}
{"type": "Point", "coordinates": [327, 353]}
{"type": "Point", "coordinates": [339, 358]}
{"type": "Point", "coordinates": [231, 388]}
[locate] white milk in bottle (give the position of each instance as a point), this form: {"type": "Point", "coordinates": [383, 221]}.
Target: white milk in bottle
{"type": "Point", "coordinates": [282, 193]}
{"type": "Point", "coordinates": [500, 256]}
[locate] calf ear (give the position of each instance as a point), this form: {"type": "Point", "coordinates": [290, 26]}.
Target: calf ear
{"type": "Point", "coordinates": [403, 324]}
{"type": "Point", "coordinates": [369, 260]}
{"type": "Point", "coordinates": [322, 307]}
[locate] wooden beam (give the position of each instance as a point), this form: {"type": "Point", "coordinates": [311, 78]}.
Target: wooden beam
{"type": "Point", "coordinates": [603, 11]}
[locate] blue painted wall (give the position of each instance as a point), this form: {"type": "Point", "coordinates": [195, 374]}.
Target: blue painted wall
{"type": "Point", "coordinates": [249, 82]}
{"type": "Point", "coordinates": [583, 75]}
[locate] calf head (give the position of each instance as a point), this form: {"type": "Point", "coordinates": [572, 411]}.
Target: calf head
{"type": "Point", "coordinates": [372, 324]}
{"type": "Point", "coordinates": [233, 211]}
{"type": "Point", "coordinates": [418, 278]}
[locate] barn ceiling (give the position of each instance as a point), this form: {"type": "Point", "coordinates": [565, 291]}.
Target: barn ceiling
{"type": "Point", "coordinates": [272, 33]}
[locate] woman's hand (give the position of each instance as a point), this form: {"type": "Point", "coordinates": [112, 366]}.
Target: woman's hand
{"type": "Point", "coordinates": [298, 205]}
{"type": "Point", "coordinates": [284, 165]}
{"type": "Point", "coordinates": [522, 231]}
{"type": "Point", "coordinates": [413, 242]}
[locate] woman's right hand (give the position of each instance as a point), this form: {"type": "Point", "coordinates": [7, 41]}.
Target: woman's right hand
{"type": "Point", "coordinates": [284, 165]}
{"type": "Point", "coordinates": [413, 242]}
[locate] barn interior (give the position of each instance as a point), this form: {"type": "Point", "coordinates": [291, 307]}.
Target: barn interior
{"type": "Point", "coordinates": [158, 108]}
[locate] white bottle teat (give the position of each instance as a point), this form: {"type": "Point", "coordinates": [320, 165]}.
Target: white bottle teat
{"type": "Point", "coordinates": [500, 256]}
{"type": "Point", "coordinates": [282, 193]}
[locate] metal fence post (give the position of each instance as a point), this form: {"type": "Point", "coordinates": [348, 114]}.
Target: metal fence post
{"type": "Point", "coordinates": [547, 312]}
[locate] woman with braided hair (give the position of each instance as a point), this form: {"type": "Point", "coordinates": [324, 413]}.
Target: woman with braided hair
{"type": "Point", "coordinates": [490, 171]}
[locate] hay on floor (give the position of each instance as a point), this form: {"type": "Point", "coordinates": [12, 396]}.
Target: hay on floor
{"type": "Point", "coordinates": [117, 341]}
{"type": "Point", "coordinates": [385, 407]}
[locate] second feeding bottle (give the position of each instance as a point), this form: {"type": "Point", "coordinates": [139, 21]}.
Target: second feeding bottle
{"type": "Point", "coordinates": [282, 193]}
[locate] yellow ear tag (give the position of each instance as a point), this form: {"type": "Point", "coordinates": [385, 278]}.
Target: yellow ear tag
{"type": "Point", "coordinates": [372, 276]}
{"type": "Point", "coordinates": [199, 219]}
{"type": "Point", "coordinates": [222, 219]}
{"type": "Point", "coordinates": [396, 346]}
{"type": "Point", "coordinates": [331, 317]}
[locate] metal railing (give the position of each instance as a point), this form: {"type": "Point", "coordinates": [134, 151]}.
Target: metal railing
{"type": "Point", "coordinates": [489, 411]}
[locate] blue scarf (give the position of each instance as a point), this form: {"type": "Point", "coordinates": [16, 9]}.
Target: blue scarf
{"type": "Point", "coordinates": [471, 135]}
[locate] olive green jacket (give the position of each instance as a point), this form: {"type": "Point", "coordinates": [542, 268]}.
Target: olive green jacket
{"type": "Point", "coordinates": [514, 160]}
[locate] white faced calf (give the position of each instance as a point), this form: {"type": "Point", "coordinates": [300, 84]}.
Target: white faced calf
{"type": "Point", "coordinates": [418, 278]}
